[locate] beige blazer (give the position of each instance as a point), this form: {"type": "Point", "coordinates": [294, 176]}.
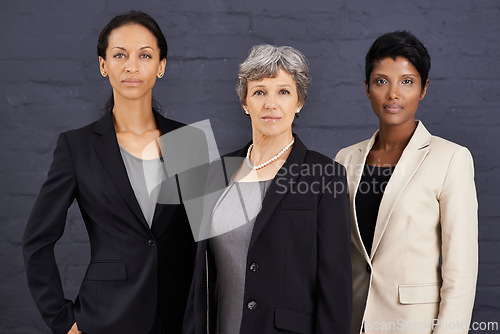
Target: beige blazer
{"type": "Point", "coordinates": [421, 274]}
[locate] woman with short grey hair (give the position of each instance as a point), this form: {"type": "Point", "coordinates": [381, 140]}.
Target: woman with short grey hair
{"type": "Point", "coordinates": [279, 258]}
{"type": "Point", "coordinates": [265, 61]}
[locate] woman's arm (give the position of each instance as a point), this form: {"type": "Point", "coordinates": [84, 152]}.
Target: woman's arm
{"type": "Point", "coordinates": [45, 226]}
{"type": "Point", "coordinates": [334, 303]}
{"type": "Point", "coordinates": [458, 207]}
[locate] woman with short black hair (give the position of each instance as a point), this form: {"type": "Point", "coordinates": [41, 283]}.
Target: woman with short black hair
{"type": "Point", "coordinates": [413, 206]}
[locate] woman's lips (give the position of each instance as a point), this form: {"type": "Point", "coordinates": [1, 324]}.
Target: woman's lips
{"type": "Point", "coordinates": [393, 108]}
{"type": "Point", "coordinates": [270, 119]}
{"type": "Point", "coordinates": [131, 82]}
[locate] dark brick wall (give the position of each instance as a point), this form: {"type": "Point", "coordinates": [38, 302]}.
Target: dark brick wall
{"type": "Point", "coordinates": [50, 82]}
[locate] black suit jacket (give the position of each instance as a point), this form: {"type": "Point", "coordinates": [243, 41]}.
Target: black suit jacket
{"type": "Point", "coordinates": [135, 272]}
{"type": "Point", "coordinates": [299, 271]}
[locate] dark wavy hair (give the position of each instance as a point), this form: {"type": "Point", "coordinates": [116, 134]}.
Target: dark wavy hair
{"type": "Point", "coordinates": [132, 17]}
{"type": "Point", "coordinates": [399, 43]}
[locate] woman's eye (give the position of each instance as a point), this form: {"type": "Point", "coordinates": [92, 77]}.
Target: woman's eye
{"type": "Point", "coordinates": [146, 56]}
{"type": "Point", "coordinates": [381, 81]}
{"type": "Point", "coordinates": [258, 92]}
{"type": "Point", "coordinates": [284, 92]}
{"type": "Point", "coordinates": [407, 81]}
{"type": "Point", "coordinates": [119, 55]}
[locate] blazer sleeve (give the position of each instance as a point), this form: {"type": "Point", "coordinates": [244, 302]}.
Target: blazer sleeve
{"type": "Point", "coordinates": [44, 228]}
{"type": "Point", "coordinates": [334, 292]}
{"type": "Point", "coordinates": [458, 216]}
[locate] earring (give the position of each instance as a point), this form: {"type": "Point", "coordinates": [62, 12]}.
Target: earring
{"type": "Point", "coordinates": [246, 112]}
{"type": "Point", "coordinates": [160, 75]}
{"type": "Point", "coordinates": [298, 110]}
{"type": "Point", "coordinates": [103, 73]}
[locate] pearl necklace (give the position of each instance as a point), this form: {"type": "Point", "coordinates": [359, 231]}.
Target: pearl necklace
{"type": "Point", "coordinates": [267, 162]}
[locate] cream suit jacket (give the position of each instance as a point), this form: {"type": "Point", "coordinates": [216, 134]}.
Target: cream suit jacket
{"type": "Point", "coordinates": [421, 274]}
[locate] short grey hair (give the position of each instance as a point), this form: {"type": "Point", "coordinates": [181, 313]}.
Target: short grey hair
{"type": "Point", "coordinates": [265, 61]}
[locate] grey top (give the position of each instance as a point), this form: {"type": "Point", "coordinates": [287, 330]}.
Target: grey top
{"type": "Point", "coordinates": [236, 210]}
{"type": "Point", "coordinates": [145, 177]}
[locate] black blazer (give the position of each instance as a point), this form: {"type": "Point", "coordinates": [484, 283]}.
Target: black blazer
{"type": "Point", "coordinates": [299, 270]}
{"type": "Point", "coordinates": [135, 273]}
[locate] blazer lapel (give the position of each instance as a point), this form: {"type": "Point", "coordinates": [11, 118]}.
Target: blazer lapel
{"type": "Point", "coordinates": [109, 153]}
{"type": "Point", "coordinates": [355, 172]}
{"type": "Point", "coordinates": [411, 159]}
{"type": "Point", "coordinates": [274, 195]}
{"type": "Point", "coordinates": [165, 125]}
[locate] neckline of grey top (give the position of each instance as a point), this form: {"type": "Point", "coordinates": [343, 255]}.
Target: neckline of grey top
{"type": "Point", "coordinates": [145, 176]}
{"type": "Point", "coordinates": [122, 149]}
{"type": "Point", "coordinates": [241, 205]}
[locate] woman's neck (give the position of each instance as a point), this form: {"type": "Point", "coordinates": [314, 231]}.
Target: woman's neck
{"type": "Point", "coordinates": [390, 144]}
{"type": "Point", "coordinates": [392, 137]}
{"type": "Point", "coordinates": [133, 116]}
{"type": "Point", "coordinates": [266, 147]}
{"type": "Point", "coordinates": [136, 128]}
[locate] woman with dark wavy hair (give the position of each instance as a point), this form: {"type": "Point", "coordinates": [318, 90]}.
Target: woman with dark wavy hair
{"type": "Point", "coordinates": [141, 251]}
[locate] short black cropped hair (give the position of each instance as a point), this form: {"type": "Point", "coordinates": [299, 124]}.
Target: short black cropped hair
{"type": "Point", "coordinates": [399, 43]}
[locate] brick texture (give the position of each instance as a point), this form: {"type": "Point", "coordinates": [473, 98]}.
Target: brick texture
{"type": "Point", "coordinates": [51, 83]}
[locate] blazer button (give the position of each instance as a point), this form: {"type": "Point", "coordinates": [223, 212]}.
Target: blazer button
{"type": "Point", "coordinates": [253, 267]}
{"type": "Point", "coordinates": [368, 268]}
{"type": "Point", "coordinates": [251, 305]}
{"type": "Point", "coordinates": [151, 243]}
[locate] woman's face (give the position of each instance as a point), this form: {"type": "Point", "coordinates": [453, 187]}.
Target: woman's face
{"type": "Point", "coordinates": [395, 90]}
{"type": "Point", "coordinates": [132, 62]}
{"type": "Point", "coordinates": [272, 104]}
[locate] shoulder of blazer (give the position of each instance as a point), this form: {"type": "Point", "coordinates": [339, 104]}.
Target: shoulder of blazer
{"type": "Point", "coordinates": [78, 133]}
{"type": "Point", "coordinates": [422, 139]}
{"type": "Point", "coordinates": [314, 157]}
{"type": "Point", "coordinates": [441, 144]}
{"type": "Point", "coordinates": [344, 154]}
{"type": "Point", "coordinates": [167, 124]}
{"type": "Point", "coordinates": [323, 166]}
{"type": "Point", "coordinates": [101, 126]}
{"type": "Point", "coordinates": [105, 123]}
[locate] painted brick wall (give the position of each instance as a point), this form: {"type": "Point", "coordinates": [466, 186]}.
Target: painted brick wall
{"type": "Point", "coordinates": [50, 82]}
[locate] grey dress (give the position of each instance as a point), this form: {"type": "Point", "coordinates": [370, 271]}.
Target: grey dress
{"type": "Point", "coordinates": [236, 210]}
